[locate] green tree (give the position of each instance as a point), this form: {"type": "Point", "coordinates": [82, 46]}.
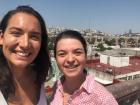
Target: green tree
{"type": "Point", "coordinates": [92, 41]}
{"type": "Point", "coordinates": [50, 43]}
{"type": "Point", "coordinates": [110, 42]}
{"type": "Point", "coordinates": [109, 48]}
{"type": "Point", "coordinates": [101, 47]}
{"type": "Point", "coordinates": [121, 42]}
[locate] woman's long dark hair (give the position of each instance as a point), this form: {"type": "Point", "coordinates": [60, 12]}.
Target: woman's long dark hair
{"type": "Point", "coordinates": [41, 64]}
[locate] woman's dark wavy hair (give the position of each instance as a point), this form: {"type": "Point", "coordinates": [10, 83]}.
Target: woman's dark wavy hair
{"type": "Point", "coordinates": [70, 34]}
{"type": "Point", "coordinates": [41, 64]}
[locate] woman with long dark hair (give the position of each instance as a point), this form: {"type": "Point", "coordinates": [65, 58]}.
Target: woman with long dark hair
{"type": "Point", "coordinates": [24, 58]}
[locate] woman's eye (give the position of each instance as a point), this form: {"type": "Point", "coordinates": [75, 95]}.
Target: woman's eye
{"type": "Point", "coordinates": [78, 52]}
{"type": "Point", "coordinates": [35, 36]}
{"type": "Point", "coordinates": [15, 33]}
{"type": "Point", "coordinates": [61, 54]}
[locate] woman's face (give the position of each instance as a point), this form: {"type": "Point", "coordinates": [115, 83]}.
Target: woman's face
{"type": "Point", "coordinates": [70, 57]}
{"type": "Point", "coordinates": [21, 40]}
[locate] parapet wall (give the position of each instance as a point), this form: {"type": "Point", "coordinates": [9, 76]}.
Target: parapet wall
{"type": "Point", "coordinates": [126, 93]}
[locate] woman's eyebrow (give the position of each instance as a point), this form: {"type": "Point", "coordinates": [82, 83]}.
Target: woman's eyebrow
{"type": "Point", "coordinates": [15, 28]}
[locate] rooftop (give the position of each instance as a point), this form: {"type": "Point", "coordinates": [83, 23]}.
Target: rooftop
{"type": "Point", "coordinates": [134, 65]}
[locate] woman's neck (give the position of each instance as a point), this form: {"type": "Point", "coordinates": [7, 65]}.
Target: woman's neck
{"type": "Point", "coordinates": [70, 85]}
{"type": "Point", "coordinates": [21, 73]}
{"type": "Point", "coordinates": [25, 86]}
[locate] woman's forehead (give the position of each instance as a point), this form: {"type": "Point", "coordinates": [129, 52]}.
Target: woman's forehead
{"type": "Point", "coordinates": [69, 43]}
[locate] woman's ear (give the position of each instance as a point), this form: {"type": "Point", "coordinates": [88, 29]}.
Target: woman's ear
{"type": "Point", "coordinates": [1, 37]}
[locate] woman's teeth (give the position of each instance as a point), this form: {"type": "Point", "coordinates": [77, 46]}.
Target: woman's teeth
{"type": "Point", "coordinates": [24, 54]}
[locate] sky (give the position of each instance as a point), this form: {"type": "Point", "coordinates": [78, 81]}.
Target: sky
{"type": "Point", "coordinates": [109, 16]}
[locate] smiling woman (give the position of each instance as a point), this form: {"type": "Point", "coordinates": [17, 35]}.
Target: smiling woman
{"type": "Point", "coordinates": [76, 86]}
{"type": "Point", "coordinates": [20, 45]}
{"type": "Point", "coordinates": [24, 58]}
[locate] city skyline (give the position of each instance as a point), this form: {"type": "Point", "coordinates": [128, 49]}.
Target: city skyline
{"type": "Point", "coordinates": [109, 16]}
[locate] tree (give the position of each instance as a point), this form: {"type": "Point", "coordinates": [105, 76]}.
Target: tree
{"type": "Point", "coordinates": [101, 47]}
{"type": "Point", "coordinates": [92, 41]}
{"type": "Point", "coordinates": [110, 42]}
{"type": "Point", "coordinates": [109, 48]}
{"type": "Point", "coordinates": [50, 43]}
{"type": "Point", "coordinates": [121, 42]}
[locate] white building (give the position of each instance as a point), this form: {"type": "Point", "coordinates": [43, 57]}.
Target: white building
{"type": "Point", "coordinates": [117, 61]}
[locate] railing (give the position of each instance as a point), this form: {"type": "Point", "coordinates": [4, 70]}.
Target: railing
{"type": "Point", "coordinates": [126, 93]}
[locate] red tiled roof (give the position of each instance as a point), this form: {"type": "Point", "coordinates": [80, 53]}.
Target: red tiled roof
{"type": "Point", "coordinates": [134, 65]}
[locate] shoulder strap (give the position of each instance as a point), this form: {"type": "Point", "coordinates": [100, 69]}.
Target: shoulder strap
{"type": "Point", "coordinates": [2, 100]}
{"type": "Point", "coordinates": [42, 100]}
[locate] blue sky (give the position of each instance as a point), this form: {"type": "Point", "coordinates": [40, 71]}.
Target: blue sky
{"type": "Point", "coordinates": [110, 16]}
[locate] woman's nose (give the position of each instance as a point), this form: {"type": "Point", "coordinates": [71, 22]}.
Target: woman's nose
{"type": "Point", "coordinates": [70, 58]}
{"type": "Point", "coordinates": [24, 41]}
